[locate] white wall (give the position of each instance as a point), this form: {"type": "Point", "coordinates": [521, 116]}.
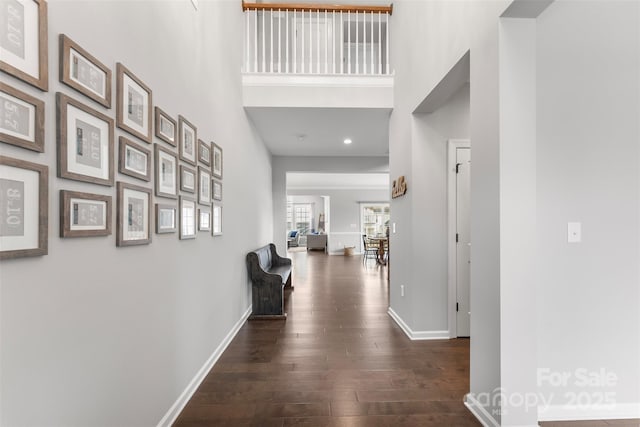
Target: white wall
{"type": "Point", "coordinates": [281, 165]}
{"type": "Point", "coordinates": [97, 335]}
{"type": "Point", "coordinates": [588, 89]}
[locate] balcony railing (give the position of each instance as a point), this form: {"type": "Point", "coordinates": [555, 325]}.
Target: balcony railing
{"type": "Point", "coordinates": [316, 39]}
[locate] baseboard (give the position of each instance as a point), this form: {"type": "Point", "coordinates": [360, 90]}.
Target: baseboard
{"type": "Point", "coordinates": [173, 412]}
{"type": "Point", "coordinates": [479, 411]}
{"type": "Point", "coordinates": [417, 335]}
{"type": "Point", "coordinates": [620, 411]}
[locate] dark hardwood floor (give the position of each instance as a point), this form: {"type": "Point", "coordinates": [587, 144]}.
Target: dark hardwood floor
{"type": "Point", "coordinates": [338, 360]}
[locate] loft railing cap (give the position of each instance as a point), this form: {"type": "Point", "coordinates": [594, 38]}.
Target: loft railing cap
{"type": "Point", "coordinates": [317, 7]}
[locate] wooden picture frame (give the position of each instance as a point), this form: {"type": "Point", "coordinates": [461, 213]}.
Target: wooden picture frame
{"type": "Point", "coordinates": [216, 190]}
{"type": "Point", "coordinates": [187, 179]}
{"type": "Point", "coordinates": [204, 219]}
{"type": "Point", "coordinates": [216, 162]}
{"type": "Point", "coordinates": [187, 141]}
{"type": "Point", "coordinates": [166, 127]}
{"type": "Point", "coordinates": [84, 214]}
{"type": "Point", "coordinates": [204, 152]}
{"type": "Point", "coordinates": [166, 173]}
{"type": "Point", "coordinates": [24, 208]}
{"type": "Point", "coordinates": [134, 160]}
{"type": "Point", "coordinates": [85, 142]}
{"type": "Point", "coordinates": [133, 215]}
{"type": "Point", "coordinates": [24, 21]}
{"type": "Point", "coordinates": [216, 220]}
{"type": "Point", "coordinates": [21, 119]}
{"type": "Point", "coordinates": [83, 72]}
{"type": "Point", "coordinates": [188, 210]}
{"type": "Point", "coordinates": [136, 99]}
{"type": "Point", "coordinates": [204, 186]}
{"type": "Point", "coordinates": [166, 218]}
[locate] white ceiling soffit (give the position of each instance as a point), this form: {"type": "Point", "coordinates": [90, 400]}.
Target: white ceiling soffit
{"type": "Point", "coordinates": [337, 181]}
{"type": "Point", "coordinates": [457, 76]}
{"type": "Point", "coordinates": [527, 9]}
{"type": "Point", "coordinates": [322, 131]}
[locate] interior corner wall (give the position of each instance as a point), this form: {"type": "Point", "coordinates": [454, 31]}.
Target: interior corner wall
{"type": "Point", "coordinates": [429, 286]}
{"type": "Point", "coordinates": [95, 335]}
{"type": "Point", "coordinates": [588, 151]}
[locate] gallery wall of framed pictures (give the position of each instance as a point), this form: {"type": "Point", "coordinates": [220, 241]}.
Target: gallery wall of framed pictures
{"type": "Point", "coordinates": [143, 167]}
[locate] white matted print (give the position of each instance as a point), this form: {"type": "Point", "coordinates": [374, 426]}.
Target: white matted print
{"type": "Point", "coordinates": [134, 160]}
{"type": "Point", "coordinates": [134, 104]}
{"type": "Point", "coordinates": [133, 215]}
{"type": "Point", "coordinates": [187, 218]}
{"type": "Point", "coordinates": [23, 41]}
{"type": "Point", "coordinates": [84, 214]}
{"type": "Point", "coordinates": [204, 186]}
{"type": "Point", "coordinates": [216, 167]}
{"type": "Point", "coordinates": [204, 220]}
{"type": "Point", "coordinates": [23, 208]}
{"type": "Point", "coordinates": [188, 141]}
{"type": "Point", "coordinates": [216, 217]}
{"type": "Point", "coordinates": [166, 173]}
{"type": "Point", "coordinates": [165, 219]}
{"type": "Point", "coordinates": [21, 119]}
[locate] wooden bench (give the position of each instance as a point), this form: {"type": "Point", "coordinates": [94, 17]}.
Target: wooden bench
{"type": "Point", "coordinates": [269, 274]}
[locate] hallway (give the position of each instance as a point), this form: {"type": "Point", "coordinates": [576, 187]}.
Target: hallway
{"type": "Point", "coordinates": [338, 360]}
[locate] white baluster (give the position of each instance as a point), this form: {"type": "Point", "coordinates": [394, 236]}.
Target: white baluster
{"type": "Point", "coordinates": [372, 70]}
{"type": "Point", "coordinates": [264, 50]}
{"type": "Point", "coordinates": [295, 41]}
{"type": "Point", "coordinates": [318, 41]}
{"type": "Point", "coordinates": [304, 48]}
{"type": "Point", "coordinates": [341, 44]}
{"type": "Point", "coordinates": [357, 44]}
{"type": "Point", "coordinates": [364, 40]}
{"type": "Point", "coordinates": [379, 43]}
{"type": "Point", "coordinates": [255, 41]}
{"type": "Point", "coordinates": [246, 37]}
{"type": "Point", "coordinates": [326, 43]}
{"type": "Point", "coordinates": [310, 42]}
{"type": "Point", "coordinates": [271, 41]}
{"type": "Point", "coordinates": [279, 43]}
{"type": "Point", "coordinates": [286, 17]}
{"type": "Point", "coordinates": [387, 52]}
{"type": "Point", "coordinates": [333, 40]}
{"type": "Point", "coordinates": [349, 41]}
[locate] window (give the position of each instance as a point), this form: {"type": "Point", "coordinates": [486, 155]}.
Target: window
{"type": "Point", "coordinates": [299, 217]}
{"type": "Point", "coordinates": [374, 218]}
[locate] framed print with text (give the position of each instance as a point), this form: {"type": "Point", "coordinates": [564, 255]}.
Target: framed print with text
{"type": "Point", "coordinates": [188, 209]}
{"type": "Point", "coordinates": [204, 186]}
{"type": "Point", "coordinates": [187, 179]}
{"type": "Point", "coordinates": [187, 141]}
{"type": "Point", "coordinates": [84, 214]}
{"type": "Point", "coordinates": [204, 219]}
{"type": "Point", "coordinates": [216, 218]}
{"type": "Point", "coordinates": [216, 190]}
{"type": "Point", "coordinates": [134, 102]}
{"type": "Point", "coordinates": [133, 215]}
{"type": "Point", "coordinates": [21, 119]}
{"type": "Point", "coordinates": [24, 208]}
{"type": "Point", "coordinates": [216, 167]}
{"type": "Point", "coordinates": [204, 152]}
{"type": "Point", "coordinates": [166, 127]}
{"type": "Point", "coordinates": [24, 41]}
{"type": "Point", "coordinates": [83, 72]}
{"type": "Point", "coordinates": [166, 219]}
{"type": "Point", "coordinates": [85, 142]}
{"type": "Point", "coordinates": [134, 160]}
{"type": "Point", "coordinates": [166, 173]}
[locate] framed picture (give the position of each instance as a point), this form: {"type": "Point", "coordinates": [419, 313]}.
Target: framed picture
{"type": "Point", "coordinates": [133, 215]}
{"type": "Point", "coordinates": [187, 179]}
{"type": "Point", "coordinates": [216, 167]}
{"type": "Point", "coordinates": [133, 112]}
{"type": "Point", "coordinates": [24, 41]}
{"type": "Point", "coordinates": [216, 218]}
{"type": "Point", "coordinates": [85, 142]}
{"type": "Point", "coordinates": [21, 119]}
{"type": "Point", "coordinates": [204, 152]}
{"type": "Point", "coordinates": [188, 137]}
{"type": "Point", "coordinates": [166, 219]}
{"type": "Point", "coordinates": [84, 214]}
{"type": "Point", "coordinates": [187, 218]}
{"type": "Point", "coordinates": [204, 219]}
{"type": "Point", "coordinates": [166, 127]}
{"type": "Point", "coordinates": [166, 173]}
{"type": "Point", "coordinates": [134, 160]}
{"type": "Point", "coordinates": [24, 208]}
{"type": "Point", "coordinates": [216, 190]}
{"type": "Point", "coordinates": [83, 72]}
{"type": "Point", "coordinates": [204, 186]}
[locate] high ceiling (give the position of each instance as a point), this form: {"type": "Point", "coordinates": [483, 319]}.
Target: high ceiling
{"type": "Point", "coordinates": [321, 131]}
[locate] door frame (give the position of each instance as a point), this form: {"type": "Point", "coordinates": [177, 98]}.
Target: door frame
{"type": "Point", "coordinates": [452, 146]}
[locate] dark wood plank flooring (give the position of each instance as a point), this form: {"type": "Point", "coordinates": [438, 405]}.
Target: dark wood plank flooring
{"type": "Point", "coordinates": [338, 360]}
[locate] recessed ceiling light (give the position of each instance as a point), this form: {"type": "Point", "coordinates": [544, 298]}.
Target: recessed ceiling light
{"type": "Point", "coordinates": [348, 141]}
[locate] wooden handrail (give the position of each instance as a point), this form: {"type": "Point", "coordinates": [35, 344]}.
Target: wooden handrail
{"type": "Point", "coordinates": [317, 7]}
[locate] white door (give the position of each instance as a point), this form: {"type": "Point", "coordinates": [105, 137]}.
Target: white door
{"type": "Point", "coordinates": [463, 241]}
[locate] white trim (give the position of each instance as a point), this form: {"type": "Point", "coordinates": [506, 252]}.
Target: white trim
{"type": "Point", "coordinates": [479, 411]}
{"type": "Point", "coordinates": [417, 335]}
{"type": "Point", "coordinates": [593, 412]}
{"type": "Point", "coordinates": [316, 80]}
{"type": "Point", "coordinates": [453, 145]}
{"type": "Point", "coordinates": [177, 407]}
{"type": "Point", "coordinates": [339, 187]}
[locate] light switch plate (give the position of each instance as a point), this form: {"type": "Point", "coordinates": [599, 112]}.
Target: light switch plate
{"type": "Point", "coordinates": [574, 232]}
{"type": "Point", "coordinates": [393, 227]}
